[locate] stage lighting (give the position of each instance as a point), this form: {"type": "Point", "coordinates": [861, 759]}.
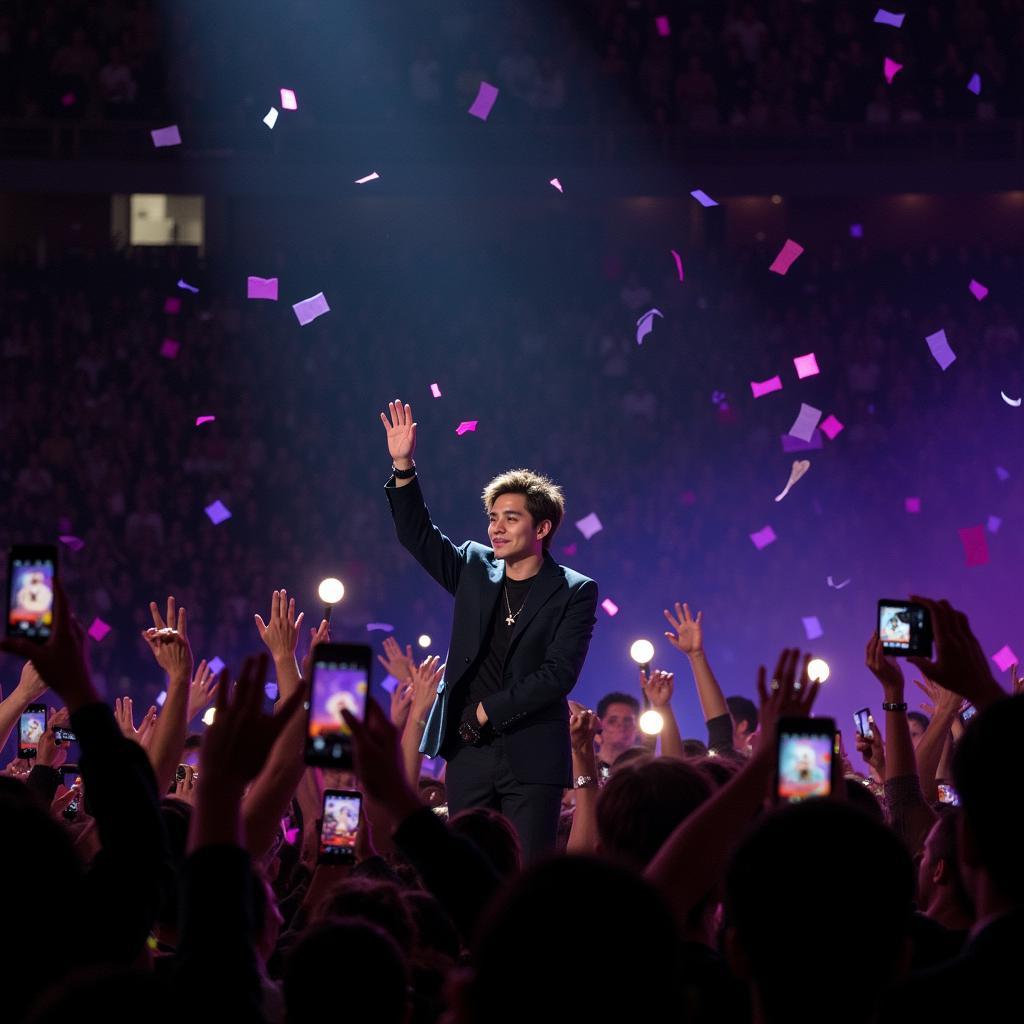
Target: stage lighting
{"type": "Point", "coordinates": [208, 716]}
{"type": "Point", "coordinates": [424, 641]}
{"type": "Point", "coordinates": [642, 652]}
{"type": "Point", "coordinates": [331, 591]}
{"type": "Point", "coordinates": [817, 670]}
{"type": "Point", "coordinates": [651, 722]}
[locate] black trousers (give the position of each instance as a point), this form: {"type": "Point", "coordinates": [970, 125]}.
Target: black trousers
{"type": "Point", "coordinates": [481, 777]}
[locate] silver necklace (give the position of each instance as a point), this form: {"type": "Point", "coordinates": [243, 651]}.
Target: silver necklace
{"type": "Point", "coordinates": [510, 619]}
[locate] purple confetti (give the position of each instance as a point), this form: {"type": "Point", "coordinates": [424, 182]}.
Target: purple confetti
{"type": "Point", "coordinates": [977, 289]}
{"type": "Point", "coordinates": [170, 349]}
{"type": "Point", "coordinates": [262, 288]}
{"type": "Point", "coordinates": [169, 136]}
{"type": "Point", "coordinates": [484, 102]}
{"type": "Point", "coordinates": [218, 512]}
{"type": "Point", "coordinates": [940, 349]}
{"type": "Point", "coordinates": [702, 197]}
{"type": "Point", "coordinates": [763, 537]}
{"type": "Point", "coordinates": [766, 387]}
{"type": "Point", "coordinates": [186, 287]}
{"type": "Point", "coordinates": [309, 309]}
{"type": "Point", "coordinates": [974, 85]}
{"type": "Point", "coordinates": [812, 627]}
{"type": "Point", "coordinates": [98, 630]}
{"type": "Point", "coordinates": [383, 627]}
{"type": "Point", "coordinates": [645, 324]}
{"type": "Point", "coordinates": [71, 542]}
{"type": "Point", "coordinates": [466, 427]}
{"type": "Point", "coordinates": [912, 505]}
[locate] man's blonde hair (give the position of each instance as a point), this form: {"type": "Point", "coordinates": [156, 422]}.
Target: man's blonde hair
{"type": "Point", "coordinates": [544, 498]}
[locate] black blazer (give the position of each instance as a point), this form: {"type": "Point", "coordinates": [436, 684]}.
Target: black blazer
{"type": "Point", "coordinates": [546, 651]}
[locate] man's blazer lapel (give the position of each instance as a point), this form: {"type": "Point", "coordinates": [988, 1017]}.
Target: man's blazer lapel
{"type": "Point", "coordinates": [490, 592]}
{"type": "Point", "coordinates": [549, 579]}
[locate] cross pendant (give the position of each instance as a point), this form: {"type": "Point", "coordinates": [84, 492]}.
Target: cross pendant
{"type": "Point", "coordinates": [509, 621]}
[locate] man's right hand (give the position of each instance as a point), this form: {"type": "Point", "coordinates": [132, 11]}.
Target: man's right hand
{"type": "Point", "coordinates": [401, 433]}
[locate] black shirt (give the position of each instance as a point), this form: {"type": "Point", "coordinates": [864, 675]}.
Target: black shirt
{"type": "Point", "coordinates": [485, 675]}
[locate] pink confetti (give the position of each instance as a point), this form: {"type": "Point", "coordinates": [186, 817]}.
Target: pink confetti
{"type": "Point", "coordinates": [169, 136]}
{"type": "Point", "coordinates": [589, 525]}
{"type": "Point", "coordinates": [218, 512]}
{"type": "Point", "coordinates": [787, 257]}
{"type": "Point", "coordinates": [200, 420]}
{"type": "Point", "coordinates": [484, 102]}
{"type": "Point", "coordinates": [309, 309]}
{"type": "Point", "coordinates": [912, 505]}
{"type": "Point", "coordinates": [812, 627]}
{"type": "Point", "coordinates": [98, 630]}
{"type": "Point", "coordinates": [806, 366]}
{"type": "Point", "coordinates": [763, 537]}
{"type": "Point", "coordinates": [554, 182]}
{"type": "Point", "coordinates": [662, 25]}
{"type": "Point", "coordinates": [702, 197]}
{"type": "Point", "coordinates": [570, 549]}
{"type": "Point", "coordinates": [939, 346]}
{"type": "Point", "coordinates": [610, 606]}
{"type": "Point", "coordinates": [172, 305]}
{"type": "Point", "coordinates": [169, 349]}
{"type": "Point", "coordinates": [435, 390]}
{"type": "Point", "coordinates": [831, 427]}
{"type": "Point", "coordinates": [71, 542]}
{"type": "Point", "coordinates": [978, 290]}
{"type": "Point", "coordinates": [974, 85]}
{"type": "Point", "coordinates": [766, 387]}
{"type": "Point", "coordinates": [262, 288]}
{"type": "Point", "coordinates": [891, 68]}
{"type": "Point", "coordinates": [975, 545]}
{"type": "Point", "coordinates": [806, 422]}
{"type": "Point", "coordinates": [1005, 658]}
{"type": "Point", "coordinates": [679, 263]}
{"type": "Point", "coordinates": [369, 177]}
{"type": "Point", "coordinates": [466, 427]}
{"type": "Point", "coordinates": [288, 100]}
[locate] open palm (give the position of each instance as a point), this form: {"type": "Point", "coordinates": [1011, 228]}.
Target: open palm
{"type": "Point", "coordinates": [400, 429]}
{"type": "Point", "coordinates": [686, 635]}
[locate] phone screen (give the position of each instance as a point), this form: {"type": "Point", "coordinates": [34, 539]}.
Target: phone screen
{"type": "Point", "coordinates": [341, 681]}
{"type": "Point", "coordinates": [904, 628]}
{"type": "Point", "coordinates": [948, 795]}
{"type": "Point", "coordinates": [862, 719]}
{"type": "Point", "coordinates": [31, 729]}
{"type": "Point", "coordinates": [805, 762]}
{"type": "Point", "coordinates": [339, 825]}
{"type": "Point", "coordinates": [30, 601]}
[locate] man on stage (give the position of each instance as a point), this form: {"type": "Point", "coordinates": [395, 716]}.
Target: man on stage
{"type": "Point", "coordinates": [520, 634]}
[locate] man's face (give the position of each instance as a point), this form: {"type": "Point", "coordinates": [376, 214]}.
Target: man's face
{"type": "Point", "coordinates": [618, 728]}
{"type": "Point", "coordinates": [511, 528]}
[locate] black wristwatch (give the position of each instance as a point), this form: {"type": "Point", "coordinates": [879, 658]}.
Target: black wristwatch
{"type": "Point", "coordinates": [403, 474]}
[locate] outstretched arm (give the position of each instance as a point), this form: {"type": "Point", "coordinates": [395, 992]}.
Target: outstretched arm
{"type": "Point", "coordinates": [30, 688]}
{"type": "Point", "coordinates": [561, 668]}
{"type": "Point", "coordinates": [168, 642]}
{"type": "Point", "coordinates": [659, 687]}
{"type": "Point", "coordinates": [416, 533]}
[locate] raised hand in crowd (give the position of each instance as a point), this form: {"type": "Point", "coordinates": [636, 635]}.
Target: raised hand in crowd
{"type": "Point", "coordinates": [960, 665]}
{"type": "Point", "coordinates": [125, 715]}
{"type": "Point", "coordinates": [934, 748]}
{"type": "Point", "coordinates": [61, 662]}
{"type": "Point", "coordinates": [51, 751]}
{"type": "Point", "coordinates": [872, 749]}
{"type": "Point", "coordinates": [203, 690]}
{"type": "Point", "coordinates": [424, 680]}
{"type": "Point", "coordinates": [687, 637]}
{"type": "Point", "coordinates": [28, 691]}
{"type": "Point", "coordinates": [281, 633]}
{"type": "Point", "coordinates": [583, 728]}
{"type": "Point", "coordinates": [658, 687]}
{"type": "Point", "coordinates": [394, 662]}
{"type": "Point", "coordinates": [168, 642]}
{"type": "Point", "coordinates": [401, 701]}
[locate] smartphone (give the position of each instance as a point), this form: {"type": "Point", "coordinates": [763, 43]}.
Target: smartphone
{"type": "Point", "coordinates": [31, 729]}
{"type": "Point", "coordinates": [968, 713]}
{"type": "Point", "coordinates": [71, 811]}
{"type": "Point", "coordinates": [862, 719]}
{"type": "Point", "coordinates": [905, 628]}
{"type": "Point", "coordinates": [65, 735]}
{"type": "Point", "coordinates": [31, 569]}
{"type": "Point", "coordinates": [341, 681]}
{"type": "Point", "coordinates": [948, 795]}
{"type": "Point", "coordinates": [339, 824]}
{"type": "Point", "coordinates": [806, 758]}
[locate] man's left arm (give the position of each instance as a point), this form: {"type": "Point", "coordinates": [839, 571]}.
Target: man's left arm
{"type": "Point", "coordinates": [554, 679]}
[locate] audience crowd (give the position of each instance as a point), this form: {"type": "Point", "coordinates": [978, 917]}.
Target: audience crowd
{"type": "Point", "coordinates": [778, 64]}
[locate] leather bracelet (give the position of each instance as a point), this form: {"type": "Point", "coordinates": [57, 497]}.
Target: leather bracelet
{"type": "Point", "coordinates": [890, 706]}
{"type": "Point", "coordinates": [403, 474]}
